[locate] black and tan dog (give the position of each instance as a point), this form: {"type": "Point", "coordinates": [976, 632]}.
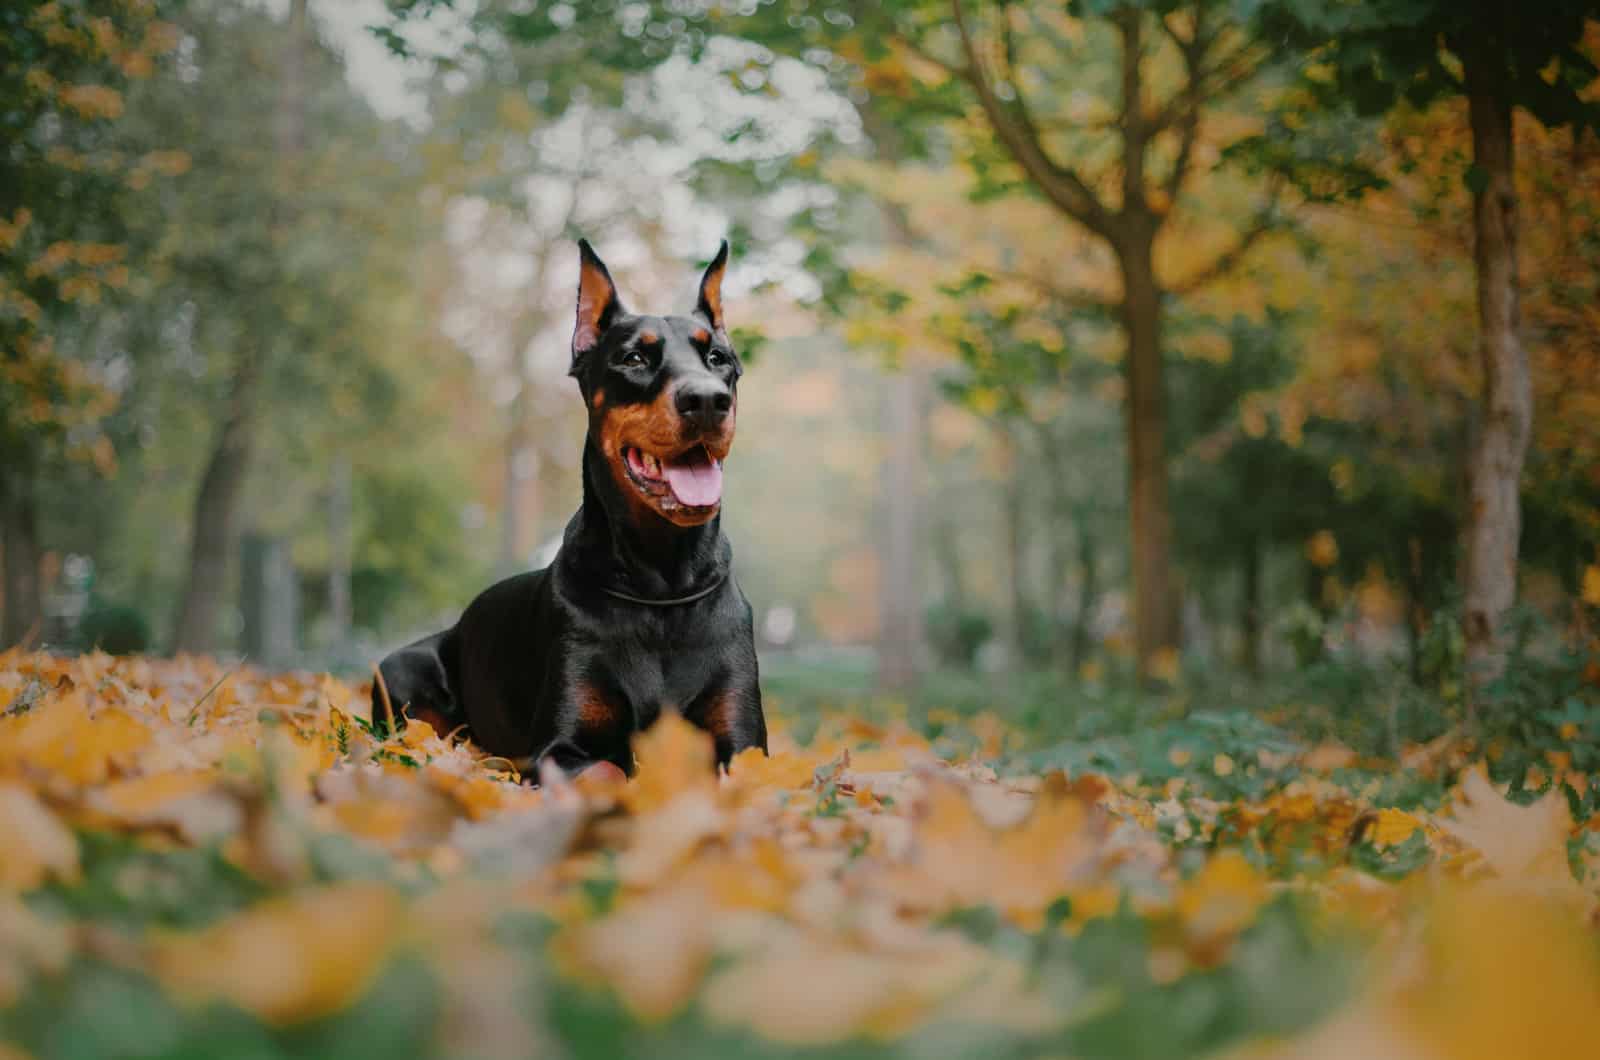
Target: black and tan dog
{"type": "Point", "coordinates": [638, 613]}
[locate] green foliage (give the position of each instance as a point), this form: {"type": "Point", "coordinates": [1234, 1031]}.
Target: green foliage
{"type": "Point", "coordinates": [115, 628]}
{"type": "Point", "coordinates": [96, 1011]}
{"type": "Point", "coordinates": [126, 884]}
{"type": "Point", "coordinates": [956, 634]}
{"type": "Point", "coordinates": [1383, 52]}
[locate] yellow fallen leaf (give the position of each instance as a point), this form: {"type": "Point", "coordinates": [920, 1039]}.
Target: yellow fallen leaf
{"type": "Point", "coordinates": [674, 757]}
{"type": "Point", "coordinates": [60, 737]}
{"type": "Point", "coordinates": [810, 994]}
{"type": "Point", "coordinates": [1327, 757]}
{"type": "Point", "coordinates": [1506, 974]}
{"type": "Point", "coordinates": [142, 796]}
{"type": "Point", "coordinates": [1517, 842]}
{"type": "Point", "coordinates": [759, 877]}
{"type": "Point", "coordinates": [1391, 827]}
{"type": "Point", "coordinates": [957, 859]}
{"type": "Point", "coordinates": [30, 944]}
{"type": "Point", "coordinates": [395, 809]}
{"type": "Point", "coordinates": [653, 951]}
{"type": "Point", "coordinates": [287, 959]}
{"type": "Point", "coordinates": [1222, 899]}
{"type": "Point", "coordinates": [34, 844]}
{"type": "Point", "coordinates": [751, 770]}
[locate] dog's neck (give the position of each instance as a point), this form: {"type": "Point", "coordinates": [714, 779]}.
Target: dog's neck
{"type": "Point", "coordinates": [642, 555]}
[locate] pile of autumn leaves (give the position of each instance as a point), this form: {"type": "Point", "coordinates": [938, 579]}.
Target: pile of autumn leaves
{"type": "Point", "coordinates": [805, 898]}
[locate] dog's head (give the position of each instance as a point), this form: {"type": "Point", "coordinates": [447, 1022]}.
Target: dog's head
{"type": "Point", "coordinates": [661, 393]}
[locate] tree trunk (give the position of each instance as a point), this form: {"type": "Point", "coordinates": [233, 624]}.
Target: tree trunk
{"type": "Point", "coordinates": [1250, 610]}
{"type": "Point", "coordinates": [1055, 611]}
{"type": "Point", "coordinates": [1494, 513]}
{"type": "Point", "coordinates": [1063, 646]}
{"type": "Point", "coordinates": [216, 516]}
{"type": "Point", "coordinates": [1416, 612]}
{"type": "Point", "coordinates": [1155, 606]}
{"type": "Point", "coordinates": [1016, 545]}
{"type": "Point", "coordinates": [900, 629]}
{"type": "Point", "coordinates": [19, 541]}
{"type": "Point", "coordinates": [340, 532]}
{"type": "Point", "coordinates": [1088, 595]}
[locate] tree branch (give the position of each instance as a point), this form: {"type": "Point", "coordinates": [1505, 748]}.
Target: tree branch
{"type": "Point", "coordinates": [1130, 24]}
{"type": "Point", "coordinates": [1061, 185]}
{"type": "Point", "coordinates": [1066, 297]}
{"type": "Point", "coordinates": [1207, 82]}
{"type": "Point", "coordinates": [1265, 223]}
{"type": "Point", "coordinates": [1188, 122]}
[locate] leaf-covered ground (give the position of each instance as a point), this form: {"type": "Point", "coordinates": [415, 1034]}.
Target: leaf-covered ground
{"type": "Point", "coordinates": [202, 862]}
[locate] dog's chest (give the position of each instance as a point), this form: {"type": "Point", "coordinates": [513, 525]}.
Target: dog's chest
{"type": "Point", "coordinates": [655, 673]}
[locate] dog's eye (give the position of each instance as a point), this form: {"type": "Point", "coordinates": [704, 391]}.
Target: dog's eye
{"type": "Point", "coordinates": [716, 359]}
{"type": "Point", "coordinates": [634, 359]}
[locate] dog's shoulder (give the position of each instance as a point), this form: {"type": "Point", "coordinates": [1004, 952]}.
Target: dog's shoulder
{"type": "Point", "coordinates": [510, 599]}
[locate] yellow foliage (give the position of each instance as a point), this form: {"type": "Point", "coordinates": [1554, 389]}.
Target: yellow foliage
{"type": "Point", "coordinates": [1591, 585]}
{"type": "Point", "coordinates": [1323, 549]}
{"type": "Point", "coordinates": [92, 101]}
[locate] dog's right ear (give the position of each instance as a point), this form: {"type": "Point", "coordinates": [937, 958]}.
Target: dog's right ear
{"type": "Point", "coordinates": [597, 303]}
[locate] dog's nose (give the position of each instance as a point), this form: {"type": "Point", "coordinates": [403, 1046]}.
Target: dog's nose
{"type": "Point", "coordinates": [704, 405]}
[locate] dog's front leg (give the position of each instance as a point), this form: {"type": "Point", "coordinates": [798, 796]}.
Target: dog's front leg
{"type": "Point", "coordinates": [731, 712]}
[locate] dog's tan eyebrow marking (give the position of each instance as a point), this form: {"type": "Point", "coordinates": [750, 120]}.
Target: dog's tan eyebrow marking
{"type": "Point", "coordinates": [700, 337]}
{"type": "Point", "coordinates": [648, 338]}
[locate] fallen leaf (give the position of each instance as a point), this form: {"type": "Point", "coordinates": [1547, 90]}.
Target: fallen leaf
{"type": "Point", "coordinates": [1518, 842]}
{"type": "Point", "coordinates": [287, 959]}
{"type": "Point", "coordinates": [34, 845]}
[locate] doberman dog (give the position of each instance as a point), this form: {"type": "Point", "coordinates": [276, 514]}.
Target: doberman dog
{"type": "Point", "coordinates": [638, 613]}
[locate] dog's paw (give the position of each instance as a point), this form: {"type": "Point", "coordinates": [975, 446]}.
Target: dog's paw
{"type": "Point", "coordinates": [600, 778]}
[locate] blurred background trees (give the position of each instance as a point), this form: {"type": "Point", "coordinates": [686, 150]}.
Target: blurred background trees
{"type": "Point", "coordinates": [1092, 341]}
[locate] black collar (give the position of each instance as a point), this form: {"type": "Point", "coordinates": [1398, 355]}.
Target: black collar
{"type": "Point", "coordinates": [673, 601]}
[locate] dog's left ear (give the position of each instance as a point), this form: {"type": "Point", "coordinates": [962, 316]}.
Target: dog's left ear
{"type": "Point", "coordinates": [598, 304]}
{"type": "Point", "coordinates": [710, 303]}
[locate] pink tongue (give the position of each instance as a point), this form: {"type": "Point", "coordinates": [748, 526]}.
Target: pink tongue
{"type": "Point", "coordinates": [696, 480]}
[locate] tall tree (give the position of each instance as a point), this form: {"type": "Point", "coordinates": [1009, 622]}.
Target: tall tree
{"type": "Point", "coordinates": [1499, 58]}
{"type": "Point", "coordinates": [64, 68]}
{"type": "Point", "coordinates": [216, 506]}
{"type": "Point", "coordinates": [1118, 167]}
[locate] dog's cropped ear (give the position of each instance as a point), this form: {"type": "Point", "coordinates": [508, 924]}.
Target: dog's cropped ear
{"type": "Point", "coordinates": [710, 304]}
{"type": "Point", "coordinates": [597, 302]}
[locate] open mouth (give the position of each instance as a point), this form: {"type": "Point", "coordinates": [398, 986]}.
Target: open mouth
{"type": "Point", "coordinates": [690, 480]}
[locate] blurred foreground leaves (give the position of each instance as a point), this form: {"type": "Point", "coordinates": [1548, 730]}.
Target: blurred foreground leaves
{"type": "Point", "coordinates": [197, 861]}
